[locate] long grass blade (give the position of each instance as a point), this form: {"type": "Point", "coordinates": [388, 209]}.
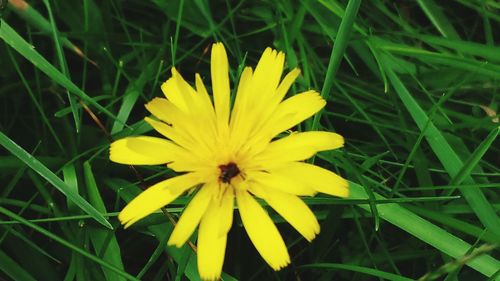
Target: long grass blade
{"type": "Point", "coordinates": [47, 174]}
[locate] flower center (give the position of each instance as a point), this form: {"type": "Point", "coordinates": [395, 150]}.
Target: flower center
{"type": "Point", "coordinates": [228, 171]}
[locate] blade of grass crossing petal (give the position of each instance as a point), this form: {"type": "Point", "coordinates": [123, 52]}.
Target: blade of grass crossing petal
{"type": "Point", "coordinates": [12, 269]}
{"type": "Point", "coordinates": [63, 65]}
{"type": "Point", "coordinates": [446, 155]}
{"type": "Point", "coordinates": [162, 232]}
{"type": "Point", "coordinates": [338, 51]}
{"type": "Point", "coordinates": [12, 38]}
{"type": "Point", "coordinates": [104, 240]}
{"type": "Point", "coordinates": [66, 244]}
{"type": "Point", "coordinates": [361, 269]}
{"type": "Point", "coordinates": [426, 231]}
{"type": "Point", "coordinates": [43, 171]}
{"type": "Point", "coordinates": [438, 18]}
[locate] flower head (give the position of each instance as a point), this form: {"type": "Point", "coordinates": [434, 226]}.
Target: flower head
{"type": "Point", "coordinates": [233, 154]}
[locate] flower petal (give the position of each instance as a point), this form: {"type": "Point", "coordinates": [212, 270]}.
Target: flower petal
{"type": "Point", "coordinates": [280, 182]}
{"type": "Point", "coordinates": [239, 118]}
{"type": "Point", "coordinates": [180, 96]}
{"type": "Point", "coordinates": [164, 110]}
{"type": "Point", "coordinates": [267, 75]}
{"type": "Point", "coordinates": [258, 96]}
{"type": "Point", "coordinates": [143, 150]}
{"type": "Point", "coordinates": [212, 243]}
{"type": "Point", "coordinates": [315, 177]}
{"type": "Point", "coordinates": [292, 209]}
{"type": "Point", "coordinates": [191, 216]}
{"type": "Point", "coordinates": [220, 82]}
{"type": "Point", "coordinates": [286, 83]}
{"type": "Point", "coordinates": [294, 110]}
{"type": "Point", "coordinates": [227, 209]}
{"type": "Point", "coordinates": [262, 231]}
{"type": "Point", "coordinates": [188, 131]}
{"type": "Point", "coordinates": [299, 146]}
{"type": "Point", "coordinates": [156, 197]}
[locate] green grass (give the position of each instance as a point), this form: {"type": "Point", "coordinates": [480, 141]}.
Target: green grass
{"type": "Point", "coordinates": [412, 86]}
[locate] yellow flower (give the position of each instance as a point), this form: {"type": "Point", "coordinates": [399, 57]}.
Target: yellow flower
{"type": "Point", "coordinates": [228, 154]}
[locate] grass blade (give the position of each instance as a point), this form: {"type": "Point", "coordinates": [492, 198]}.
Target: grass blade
{"type": "Point", "coordinates": [67, 244]}
{"type": "Point", "coordinates": [104, 240]}
{"type": "Point", "coordinates": [12, 38]}
{"type": "Point", "coordinates": [338, 50]}
{"type": "Point", "coordinates": [360, 269]}
{"type": "Point", "coordinates": [474, 159]}
{"type": "Point", "coordinates": [426, 231]}
{"type": "Point", "coordinates": [438, 18]}
{"type": "Point", "coordinates": [43, 171]}
{"type": "Point", "coordinates": [446, 155]}
{"type": "Point", "coordinates": [12, 269]}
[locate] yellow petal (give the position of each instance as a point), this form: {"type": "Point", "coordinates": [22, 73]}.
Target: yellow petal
{"type": "Point", "coordinates": [262, 231]}
{"type": "Point", "coordinates": [181, 97]}
{"type": "Point", "coordinates": [268, 73]}
{"type": "Point", "coordinates": [320, 179]}
{"type": "Point", "coordinates": [220, 82]}
{"type": "Point", "coordinates": [285, 85]}
{"type": "Point", "coordinates": [171, 133]}
{"type": "Point", "coordinates": [241, 102]}
{"type": "Point", "coordinates": [299, 146]}
{"type": "Point", "coordinates": [192, 132]}
{"type": "Point", "coordinates": [163, 109]}
{"type": "Point", "coordinates": [262, 101]}
{"type": "Point", "coordinates": [143, 150]}
{"type": "Point", "coordinates": [227, 209]}
{"type": "Point", "coordinates": [191, 216]}
{"type": "Point", "coordinates": [294, 110]}
{"type": "Point", "coordinates": [211, 243]}
{"type": "Point", "coordinates": [206, 105]}
{"type": "Point", "coordinates": [156, 197]}
{"type": "Point", "coordinates": [281, 183]}
{"type": "Point", "coordinates": [293, 210]}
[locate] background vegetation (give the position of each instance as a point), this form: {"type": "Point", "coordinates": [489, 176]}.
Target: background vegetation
{"type": "Point", "coordinates": [413, 86]}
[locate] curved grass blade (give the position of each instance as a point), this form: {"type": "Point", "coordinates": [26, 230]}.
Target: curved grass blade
{"type": "Point", "coordinates": [361, 269]}
{"type": "Point", "coordinates": [104, 240]}
{"type": "Point", "coordinates": [12, 38]}
{"type": "Point", "coordinates": [446, 155]}
{"type": "Point", "coordinates": [63, 65]}
{"type": "Point", "coordinates": [338, 51]}
{"type": "Point", "coordinates": [34, 18]}
{"type": "Point", "coordinates": [12, 269]}
{"type": "Point", "coordinates": [426, 231]}
{"type": "Point", "coordinates": [474, 159]}
{"type": "Point", "coordinates": [43, 171]}
{"type": "Point", "coordinates": [438, 18]}
{"type": "Point", "coordinates": [67, 244]}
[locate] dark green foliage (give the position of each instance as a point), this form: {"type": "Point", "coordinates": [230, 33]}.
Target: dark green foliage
{"type": "Point", "coordinates": [413, 86]}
